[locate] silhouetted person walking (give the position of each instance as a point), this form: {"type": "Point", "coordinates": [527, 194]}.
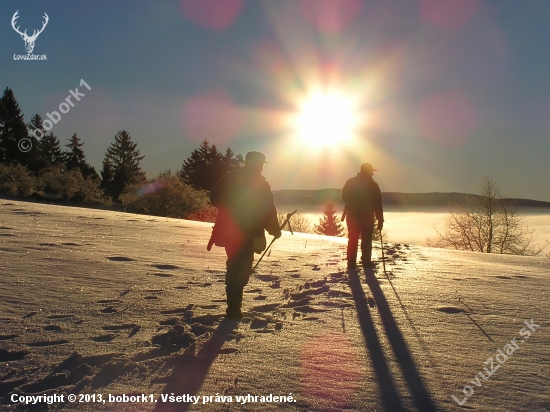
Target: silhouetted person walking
{"type": "Point", "coordinates": [245, 208]}
{"type": "Point", "coordinates": [363, 200]}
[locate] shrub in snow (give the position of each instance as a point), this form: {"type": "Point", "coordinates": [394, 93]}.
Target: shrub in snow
{"type": "Point", "coordinates": [166, 195]}
{"type": "Point", "coordinates": [16, 181]}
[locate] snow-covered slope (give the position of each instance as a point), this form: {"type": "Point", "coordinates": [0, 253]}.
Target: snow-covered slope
{"type": "Point", "coordinates": [104, 303]}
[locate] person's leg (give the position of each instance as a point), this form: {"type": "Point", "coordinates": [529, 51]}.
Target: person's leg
{"type": "Point", "coordinates": [234, 295]}
{"type": "Point", "coordinates": [353, 239]}
{"type": "Point", "coordinates": [239, 268]}
{"type": "Point", "coordinates": [367, 228]}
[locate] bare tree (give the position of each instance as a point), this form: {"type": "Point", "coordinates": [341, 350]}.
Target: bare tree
{"type": "Point", "coordinates": [299, 222]}
{"type": "Point", "coordinates": [486, 223]}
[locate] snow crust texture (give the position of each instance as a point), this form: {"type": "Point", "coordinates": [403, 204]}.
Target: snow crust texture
{"type": "Point", "coordinates": [100, 302]}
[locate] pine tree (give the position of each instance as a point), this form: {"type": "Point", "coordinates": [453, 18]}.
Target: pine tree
{"type": "Point", "coordinates": [206, 165]}
{"type": "Point", "coordinates": [232, 162]}
{"type": "Point", "coordinates": [75, 156]}
{"type": "Point", "coordinates": [328, 223]}
{"type": "Point", "coordinates": [36, 124]}
{"type": "Point", "coordinates": [121, 165]}
{"type": "Point", "coordinates": [77, 160]}
{"type": "Point", "coordinates": [107, 175]}
{"type": "Point", "coordinates": [12, 130]}
{"type": "Point", "coordinates": [49, 151]}
{"type": "Point", "coordinates": [199, 170]}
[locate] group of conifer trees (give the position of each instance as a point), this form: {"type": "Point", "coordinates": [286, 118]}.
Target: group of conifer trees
{"type": "Point", "coordinates": [45, 168]}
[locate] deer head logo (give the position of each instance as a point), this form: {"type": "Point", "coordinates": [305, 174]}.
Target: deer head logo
{"type": "Point", "coordinates": [29, 40]}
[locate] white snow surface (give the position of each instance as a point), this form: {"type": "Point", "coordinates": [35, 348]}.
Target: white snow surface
{"type": "Point", "coordinates": [100, 302]}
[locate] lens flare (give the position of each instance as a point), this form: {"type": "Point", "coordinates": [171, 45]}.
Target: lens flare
{"type": "Point", "coordinates": [217, 15]}
{"type": "Point", "coordinates": [331, 370]}
{"type": "Point", "coordinates": [150, 188]}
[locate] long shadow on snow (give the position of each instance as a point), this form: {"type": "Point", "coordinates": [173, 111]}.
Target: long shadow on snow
{"type": "Point", "coordinates": [390, 397]}
{"type": "Point", "coordinates": [419, 392]}
{"type": "Point", "coordinates": [189, 374]}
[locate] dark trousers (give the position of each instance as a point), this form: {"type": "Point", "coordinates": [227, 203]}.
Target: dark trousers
{"type": "Point", "coordinates": [239, 268]}
{"type": "Point", "coordinates": [364, 227]}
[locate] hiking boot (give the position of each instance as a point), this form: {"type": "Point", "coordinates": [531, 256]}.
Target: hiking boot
{"type": "Point", "coordinates": [234, 315]}
{"type": "Point", "coordinates": [234, 301]}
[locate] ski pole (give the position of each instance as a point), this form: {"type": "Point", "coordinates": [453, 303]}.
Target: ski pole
{"type": "Point", "coordinates": [287, 220]}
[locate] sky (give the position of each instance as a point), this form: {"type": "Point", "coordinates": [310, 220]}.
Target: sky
{"type": "Point", "coordinates": [436, 94]}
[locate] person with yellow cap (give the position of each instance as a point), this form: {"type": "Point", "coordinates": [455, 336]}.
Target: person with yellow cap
{"type": "Point", "coordinates": [246, 208]}
{"type": "Point", "coordinates": [363, 201]}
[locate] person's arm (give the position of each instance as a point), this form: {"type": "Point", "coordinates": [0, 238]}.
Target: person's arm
{"type": "Point", "coordinates": [271, 222]}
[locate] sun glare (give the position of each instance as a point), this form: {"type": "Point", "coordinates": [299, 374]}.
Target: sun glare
{"type": "Point", "coordinates": [326, 119]}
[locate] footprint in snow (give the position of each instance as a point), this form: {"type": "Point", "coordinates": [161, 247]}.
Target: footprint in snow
{"type": "Point", "coordinates": [265, 308]}
{"type": "Point", "coordinates": [8, 337]}
{"type": "Point", "coordinates": [275, 284]}
{"type": "Point", "coordinates": [44, 343]}
{"type": "Point", "coordinates": [178, 310]}
{"type": "Point", "coordinates": [258, 324]}
{"type": "Point", "coordinates": [107, 301]}
{"type": "Point", "coordinates": [166, 267]}
{"type": "Point", "coordinates": [104, 338]}
{"type": "Point", "coordinates": [120, 259]}
{"type": "Point", "coordinates": [134, 330]}
{"type": "Point", "coordinates": [9, 355]}
{"type": "Point", "coordinates": [308, 309]}
{"type": "Point", "coordinates": [119, 327]}
{"type": "Point", "coordinates": [163, 275]}
{"type": "Point", "coordinates": [267, 278]}
{"type": "Point", "coordinates": [450, 309]}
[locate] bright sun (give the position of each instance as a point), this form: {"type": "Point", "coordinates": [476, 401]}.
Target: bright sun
{"type": "Point", "coordinates": [326, 119]}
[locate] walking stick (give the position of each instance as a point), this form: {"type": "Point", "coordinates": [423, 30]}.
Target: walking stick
{"type": "Point", "coordinates": [385, 273]}
{"type": "Point", "coordinates": [287, 220]}
{"type": "Point", "coordinates": [383, 258]}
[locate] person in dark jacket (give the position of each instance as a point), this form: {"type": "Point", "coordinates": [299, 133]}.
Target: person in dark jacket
{"type": "Point", "coordinates": [246, 208]}
{"type": "Point", "coordinates": [363, 201]}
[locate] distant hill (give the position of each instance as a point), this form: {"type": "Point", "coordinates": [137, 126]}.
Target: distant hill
{"type": "Point", "coordinates": [315, 199]}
